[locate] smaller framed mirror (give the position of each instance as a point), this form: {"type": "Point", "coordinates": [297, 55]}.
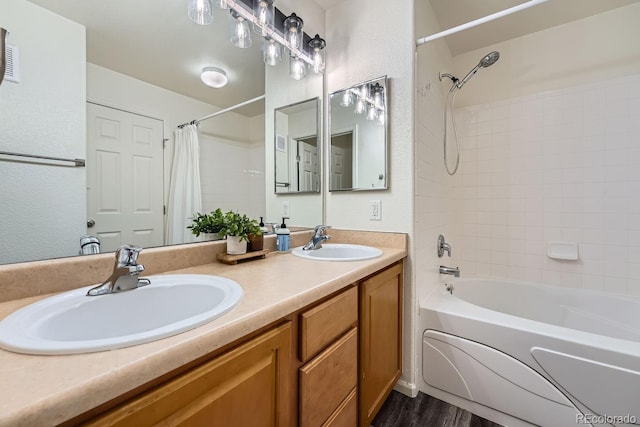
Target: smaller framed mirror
{"type": "Point", "coordinates": [297, 147]}
{"type": "Point", "coordinates": [358, 127]}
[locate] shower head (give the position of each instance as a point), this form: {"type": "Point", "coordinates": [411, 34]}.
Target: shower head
{"type": "Point", "coordinates": [487, 61]}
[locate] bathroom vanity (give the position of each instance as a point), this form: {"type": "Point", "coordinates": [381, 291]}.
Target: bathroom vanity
{"type": "Point", "coordinates": [311, 343]}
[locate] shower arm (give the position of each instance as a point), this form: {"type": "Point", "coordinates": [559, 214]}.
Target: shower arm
{"type": "Point", "coordinates": [453, 79]}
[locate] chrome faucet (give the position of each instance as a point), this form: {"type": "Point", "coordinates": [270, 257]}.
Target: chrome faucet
{"type": "Point", "coordinates": [125, 273]}
{"type": "Point", "coordinates": [453, 271]}
{"type": "Point", "coordinates": [317, 239]}
{"type": "Point", "coordinates": [443, 247]}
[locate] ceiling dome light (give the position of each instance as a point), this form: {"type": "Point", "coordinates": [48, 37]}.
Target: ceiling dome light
{"type": "Point", "coordinates": [214, 77]}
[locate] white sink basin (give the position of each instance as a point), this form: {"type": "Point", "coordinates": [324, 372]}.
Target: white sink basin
{"type": "Point", "coordinates": [72, 322]}
{"type": "Point", "coordinates": [339, 252]}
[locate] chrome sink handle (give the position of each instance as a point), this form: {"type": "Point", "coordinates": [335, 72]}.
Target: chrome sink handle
{"type": "Point", "coordinates": [318, 238]}
{"type": "Point", "coordinates": [125, 273]}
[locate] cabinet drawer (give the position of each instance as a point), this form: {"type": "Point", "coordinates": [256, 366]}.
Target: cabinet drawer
{"type": "Point", "coordinates": [328, 379]}
{"type": "Point", "coordinates": [324, 323]}
{"type": "Point", "coordinates": [347, 413]}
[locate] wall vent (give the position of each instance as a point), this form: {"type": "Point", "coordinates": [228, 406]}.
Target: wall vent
{"type": "Point", "coordinates": [12, 70]}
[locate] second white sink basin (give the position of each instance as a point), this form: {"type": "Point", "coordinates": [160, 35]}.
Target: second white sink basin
{"type": "Point", "coordinates": [339, 252]}
{"type": "Point", "coordinates": [72, 322]}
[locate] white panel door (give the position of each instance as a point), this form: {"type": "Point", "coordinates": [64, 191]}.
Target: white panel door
{"type": "Point", "coordinates": [308, 167]}
{"type": "Point", "coordinates": [124, 178]}
{"type": "Point", "coordinates": [337, 168]}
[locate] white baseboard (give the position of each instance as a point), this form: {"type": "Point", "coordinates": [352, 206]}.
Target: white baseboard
{"type": "Point", "coordinates": [408, 389]}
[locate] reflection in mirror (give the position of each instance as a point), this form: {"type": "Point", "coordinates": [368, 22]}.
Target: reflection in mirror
{"type": "Point", "coordinates": [358, 127]}
{"type": "Point", "coordinates": [297, 147]}
{"type": "Point", "coordinates": [112, 58]}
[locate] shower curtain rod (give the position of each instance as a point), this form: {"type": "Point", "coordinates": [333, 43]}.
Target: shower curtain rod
{"type": "Point", "coordinates": [217, 113]}
{"type": "Point", "coordinates": [479, 21]}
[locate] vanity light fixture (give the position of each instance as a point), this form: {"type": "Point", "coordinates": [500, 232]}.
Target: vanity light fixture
{"type": "Point", "coordinates": [271, 52]}
{"type": "Point", "coordinates": [364, 91]}
{"type": "Point", "coordinates": [263, 14]}
{"type": "Point", "coordinates": [369, 99]}
{"type": "Point", "coordinates": [293, 33]}
{"type": "Point", "coordinates": [378, 93]}
{"type": "Point", "coordinates": [277, 29]}
{"type": "Point", "coordinates": [297, 68]}
{"type": "Point", "coordinates": [214, 77]}
{"type": "Point", "coordinates": [347, 99]}
{"type": "Point", "coordinates": [200, 12]}
{"type": "Point", "coordinates": [371, 112]}
{"type": "Point", "coordinates": [240, 32]}
{"type": "Point", "coordinates": [360, 106]}
{"type": "Point", "coordinates": [222, 4]}
{"type": "Point", "coordinates": [317, 45]}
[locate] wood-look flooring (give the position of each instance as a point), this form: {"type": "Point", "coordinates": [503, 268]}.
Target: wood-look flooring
{"type": "Point", "coordinates": [425, 411]}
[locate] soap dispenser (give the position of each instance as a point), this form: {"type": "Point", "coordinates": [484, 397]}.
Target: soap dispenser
{"type": "Point", "coordinates": [263, 228]}
{"type": "Point", "coordinates": [283, 237]}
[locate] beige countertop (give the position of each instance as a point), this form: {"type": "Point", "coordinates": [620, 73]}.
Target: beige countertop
{"type": "Point", "coordinates": [47, 390]}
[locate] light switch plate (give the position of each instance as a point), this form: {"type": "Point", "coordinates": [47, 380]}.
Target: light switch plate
{"type": "Point", "coordinates": [375, 210]}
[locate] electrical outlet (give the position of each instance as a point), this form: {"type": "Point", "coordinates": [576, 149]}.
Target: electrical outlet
{"type": "Point", "coordinates": [375, 210]}
{"type": "Point", "coordinates": [285, 209]}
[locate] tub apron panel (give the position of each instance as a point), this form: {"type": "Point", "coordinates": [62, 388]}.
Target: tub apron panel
{"type": "Point", "coordinates": [482, 374]}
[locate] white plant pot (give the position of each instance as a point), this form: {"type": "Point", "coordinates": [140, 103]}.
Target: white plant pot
{"type": "Point", "coordinates": [211, 236]}
{"type": "Point", "coordinates": [235, 246]}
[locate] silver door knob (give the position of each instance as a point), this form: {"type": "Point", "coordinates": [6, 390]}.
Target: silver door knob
{"type": "Point", "coordinates": [90, 223]}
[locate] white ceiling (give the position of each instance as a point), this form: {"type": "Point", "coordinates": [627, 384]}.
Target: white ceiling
{"type": "Point", "coordinates": [154, 40]}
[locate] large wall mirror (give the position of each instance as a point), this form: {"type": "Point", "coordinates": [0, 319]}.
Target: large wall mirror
{"type": "Point", "coordinates": [114, 55]}
{"type": "Point", "coordinates": [297, 147]}
{"type": "Point", "coordinates": [358, 128]}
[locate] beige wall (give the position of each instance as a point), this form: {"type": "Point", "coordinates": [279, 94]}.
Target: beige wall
{"type": "Point", "coordinates": [367, 40]}
{"type": "Point", "coordinates": [43, 114]}
{"type": "Point", "coordinates": [589, 50]}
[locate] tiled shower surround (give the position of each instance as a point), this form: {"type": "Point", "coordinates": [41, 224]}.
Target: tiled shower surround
{"type": "Point", "coordinates": [562, 165]}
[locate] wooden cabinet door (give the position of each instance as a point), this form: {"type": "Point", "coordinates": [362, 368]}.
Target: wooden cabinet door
{"type": "Point", "coordinates": [247, 386]}
{"type": "Point", "coordinates": [380, 339]}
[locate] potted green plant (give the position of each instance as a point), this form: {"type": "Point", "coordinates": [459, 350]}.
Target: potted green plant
{"type": "Point", "coordinates": [256, 239]}
{"type": "Point", "coordinates": [237, 228]}
{"type": "Point", "coordinates": [210, 225]}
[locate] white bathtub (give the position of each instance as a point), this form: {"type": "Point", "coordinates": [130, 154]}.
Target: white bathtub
{"type": "Point", "coordinates": [527, 354]}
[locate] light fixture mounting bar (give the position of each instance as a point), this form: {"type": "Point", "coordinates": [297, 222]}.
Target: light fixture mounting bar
{"type": "Point", "coordinates": [236, 6]}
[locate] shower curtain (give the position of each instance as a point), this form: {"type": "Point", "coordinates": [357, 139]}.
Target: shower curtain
{"type": "Point", "coordinates": [185, 196]}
